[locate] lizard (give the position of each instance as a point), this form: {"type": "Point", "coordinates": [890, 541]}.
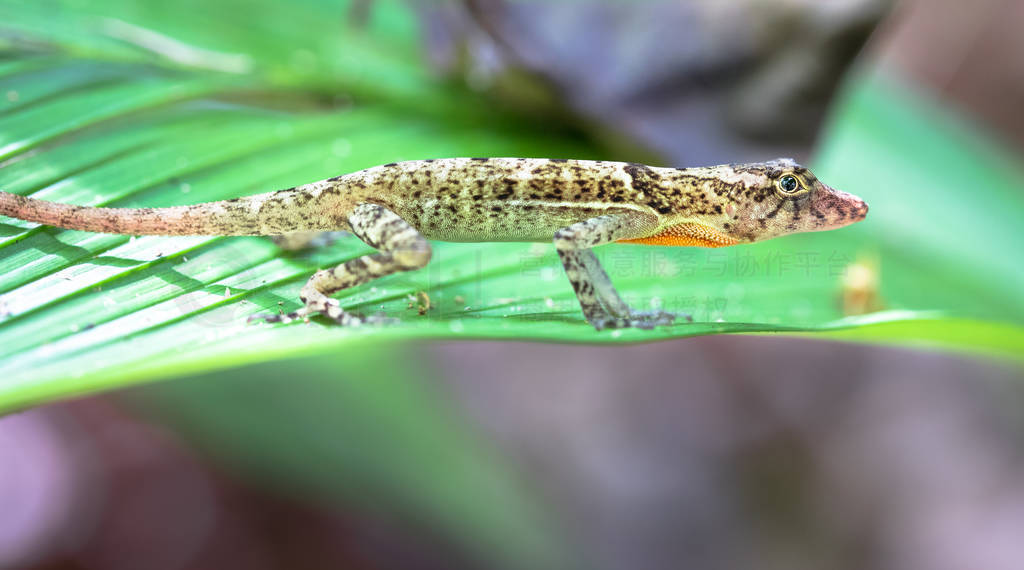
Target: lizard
{"type": "Point", "coordinates": [576, 204]}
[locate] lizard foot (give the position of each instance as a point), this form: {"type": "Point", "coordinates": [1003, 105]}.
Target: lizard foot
{"type": "Point", "coordinates": [332, 310]}
{"type": "Point", "coordinates": [640, 320]}
{"type": "Point", "coordinates": [358, 320]}
{"type": "Point", "coordinates": [300, 314]}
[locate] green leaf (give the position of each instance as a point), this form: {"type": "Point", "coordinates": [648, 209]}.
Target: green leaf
{"type": "Point", "coordinates": [118, 103]}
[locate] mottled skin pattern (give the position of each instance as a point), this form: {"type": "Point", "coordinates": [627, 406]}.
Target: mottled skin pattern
{"type": "Point", "coordinates": [580, 204]}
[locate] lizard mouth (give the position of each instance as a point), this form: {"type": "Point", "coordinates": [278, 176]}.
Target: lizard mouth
{"type": "Point", "coordinates": [687, 234]}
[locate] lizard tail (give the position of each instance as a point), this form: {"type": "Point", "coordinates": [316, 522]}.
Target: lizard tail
{"type": "Point", "coordinates": [201, 219]}
{"type": "Point", "coordinates": [262, 214]}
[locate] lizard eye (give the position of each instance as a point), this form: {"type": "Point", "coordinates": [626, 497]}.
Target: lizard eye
{"type": "Point", "coordinates": [789, 184]}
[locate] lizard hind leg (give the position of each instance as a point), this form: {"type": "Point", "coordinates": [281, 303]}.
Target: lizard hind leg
{"type": "Point", "coordinates": [402, 248]}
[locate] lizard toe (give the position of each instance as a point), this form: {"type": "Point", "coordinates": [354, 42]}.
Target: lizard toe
{"type": "Point", "coordinates": [639, 320]}
{"type": "Point", "coordinates": [651, 320]}
{"type": "Point", "coordinates": [348, 319]}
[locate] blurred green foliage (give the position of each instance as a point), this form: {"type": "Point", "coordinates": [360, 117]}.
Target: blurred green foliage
{"type": "Point", "coordinates": [144, 103]}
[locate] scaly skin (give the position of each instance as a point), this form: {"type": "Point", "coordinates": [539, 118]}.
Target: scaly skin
{"type": "Point", "coordinates": [578, 203]}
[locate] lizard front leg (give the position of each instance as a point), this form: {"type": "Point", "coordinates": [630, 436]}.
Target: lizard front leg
{"type": "Point", "coordinates": [402, 248]}
{"type": "Point", "coordinates": [601, 304]}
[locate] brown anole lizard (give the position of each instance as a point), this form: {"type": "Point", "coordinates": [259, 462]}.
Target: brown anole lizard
{"type": "Point", "coordinates": [579, 204]}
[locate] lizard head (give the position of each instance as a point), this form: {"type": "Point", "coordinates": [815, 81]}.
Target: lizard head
{"type": "Point", "coordinates": [743, 203]}
{"type": "Point", "coordinates": [780, 197]}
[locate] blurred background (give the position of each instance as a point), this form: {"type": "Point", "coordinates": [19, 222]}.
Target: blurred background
{"type": "Point", "coordinates": [713, 452]}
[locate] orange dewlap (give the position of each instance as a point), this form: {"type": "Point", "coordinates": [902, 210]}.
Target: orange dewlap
{"type": "Point", "coordinates": [688, 234]}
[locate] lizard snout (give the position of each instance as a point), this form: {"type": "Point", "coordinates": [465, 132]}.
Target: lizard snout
{"type": "Point", "coordinates": [839, 208]}
{"type": "Point", "coordinates": [861, 208]}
